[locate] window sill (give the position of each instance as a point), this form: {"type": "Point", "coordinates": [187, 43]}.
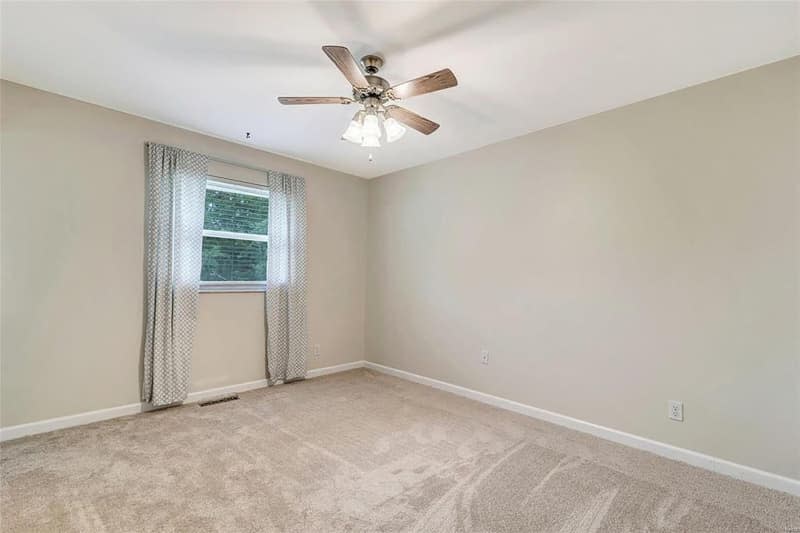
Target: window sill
{"type": "Point", "coordinates": [233, 286]}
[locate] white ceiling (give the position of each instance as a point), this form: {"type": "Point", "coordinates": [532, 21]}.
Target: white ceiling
{"type": "Point", "coordinates": [521, 66]}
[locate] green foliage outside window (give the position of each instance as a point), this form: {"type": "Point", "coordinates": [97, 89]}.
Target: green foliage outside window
{"type": "Point", "coordinates": [227, 259]}
{"type": "Point", "coordinates": [238, 213]}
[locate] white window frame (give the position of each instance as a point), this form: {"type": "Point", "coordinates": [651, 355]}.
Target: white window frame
{"type": "Point", "coordinates": [219, 184]}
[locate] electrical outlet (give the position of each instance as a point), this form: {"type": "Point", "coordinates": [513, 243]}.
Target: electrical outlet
{"type": "Point", "coordinates": [484, 357]}
{"type": "Point", "coordinates": [675, 410]}
{"type": "Point", "coordinates": [316, 350]}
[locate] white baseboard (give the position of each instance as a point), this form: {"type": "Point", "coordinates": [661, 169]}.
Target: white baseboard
{"type": "Point", "coordinates": [80, 419]}
{"type": "Point", "coordinates": [316, 372]}
{"type": "Point", "coordinates": [202, 395]}
{"type": "Point", "coordinates": [52, 424]}
{"type": "Point", "coordinates": [708, 462]}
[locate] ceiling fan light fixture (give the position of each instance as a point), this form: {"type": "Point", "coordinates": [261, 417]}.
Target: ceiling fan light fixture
{"type": "Point", "coordinates": [376, 98]}
{"type": "Point", "coordinates": [355, 131]}
{"type": "Point", "coordinates": [394, 130]}
{"type": "Point", "coordinates": [371, 127]}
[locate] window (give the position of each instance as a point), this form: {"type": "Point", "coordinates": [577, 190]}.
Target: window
{"type": "Point", "coordinates": [235, 238]}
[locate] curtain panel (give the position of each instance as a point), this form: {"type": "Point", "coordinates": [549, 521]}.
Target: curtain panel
{"type": "Point", "coordinates": [287, 330]}
{"type": "Point", "coordinates": [176, 182]}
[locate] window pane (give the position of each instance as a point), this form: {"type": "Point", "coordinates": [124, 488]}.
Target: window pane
{"type": "Point", "coordinates": [233, 260]}
{"type": "Point", "coordinates": [238, 213]}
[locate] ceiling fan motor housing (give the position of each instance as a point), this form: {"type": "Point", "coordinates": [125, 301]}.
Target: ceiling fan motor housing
{"type": "Point", "coordinates": [377, 87]}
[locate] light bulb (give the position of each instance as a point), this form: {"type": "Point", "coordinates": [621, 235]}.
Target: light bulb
{"type": "Point", "coordinates": [371, 142]}
{"type": "Point", "coordinates": [394, 130]}
{"type": "Point", "coordinates": [354, 131]}
{"type": "Point", "coordinates": [371, 127]}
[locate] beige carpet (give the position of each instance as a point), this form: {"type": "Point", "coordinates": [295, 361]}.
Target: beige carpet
{"type": "Point", "coordinates": [360, 451]}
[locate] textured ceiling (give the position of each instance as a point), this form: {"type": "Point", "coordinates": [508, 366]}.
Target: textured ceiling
{"type": "Point", "coordinates": [522, 66]}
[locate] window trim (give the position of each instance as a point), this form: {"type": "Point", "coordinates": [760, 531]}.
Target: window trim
{"type": "Point", "coordinates": [216, 183]}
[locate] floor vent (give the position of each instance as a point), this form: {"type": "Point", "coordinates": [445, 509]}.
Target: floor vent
{"type": "Point", "coordinates": [219, 400]}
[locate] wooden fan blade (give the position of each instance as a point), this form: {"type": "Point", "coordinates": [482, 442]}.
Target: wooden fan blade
{"type": "Point", "coordinates": [345, 62]}
{"type": "Point", "coordinates": [442, 79]}
{"type": "Point", "coordinates": [411, 119]}
{"type": "Point", "coordinates": [303, 100]}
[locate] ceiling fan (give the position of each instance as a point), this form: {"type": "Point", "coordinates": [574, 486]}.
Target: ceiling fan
{"type": "Point", "coordinates": [376, 97]}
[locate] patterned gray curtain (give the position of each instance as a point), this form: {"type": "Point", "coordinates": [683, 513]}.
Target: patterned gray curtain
{"type": "Point", "coordinates": [176, 184]}
{"type": "Point", "coordinates": [287, 332]}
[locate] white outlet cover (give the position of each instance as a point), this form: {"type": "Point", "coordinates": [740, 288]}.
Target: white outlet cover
{"type": "Point", "coordinates": [675, 410]}
{"type": "Point", "coordinates": [484, 357]}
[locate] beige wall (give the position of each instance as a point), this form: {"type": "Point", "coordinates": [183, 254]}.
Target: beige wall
{"type": "Point", "coordinates": [610, 264]}
{"type": "Point", "coordinates": [72, 261]}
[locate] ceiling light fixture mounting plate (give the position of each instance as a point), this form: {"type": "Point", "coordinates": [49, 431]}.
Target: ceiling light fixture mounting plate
{"type": "Point", "coordinates": [372, 63]}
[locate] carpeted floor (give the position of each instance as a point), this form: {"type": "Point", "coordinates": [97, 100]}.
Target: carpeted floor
{"type": "Point", "coordinates": [360, 451]}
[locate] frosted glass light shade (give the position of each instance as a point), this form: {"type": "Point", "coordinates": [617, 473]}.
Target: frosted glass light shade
{"type": "Point", "coordinates": [354, 131]}
{"type": "Point", "coordinates": [371, 127]}
{"type": "Point", "coordinates": [394, 130]}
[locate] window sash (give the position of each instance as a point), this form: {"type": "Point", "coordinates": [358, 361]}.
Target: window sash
{"type": "Point", "coordinates": [233, 286]}
{"type": "Point", "coordinates": [236, 236]}
{"type": "Point", "coordinates": [220, 184]}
